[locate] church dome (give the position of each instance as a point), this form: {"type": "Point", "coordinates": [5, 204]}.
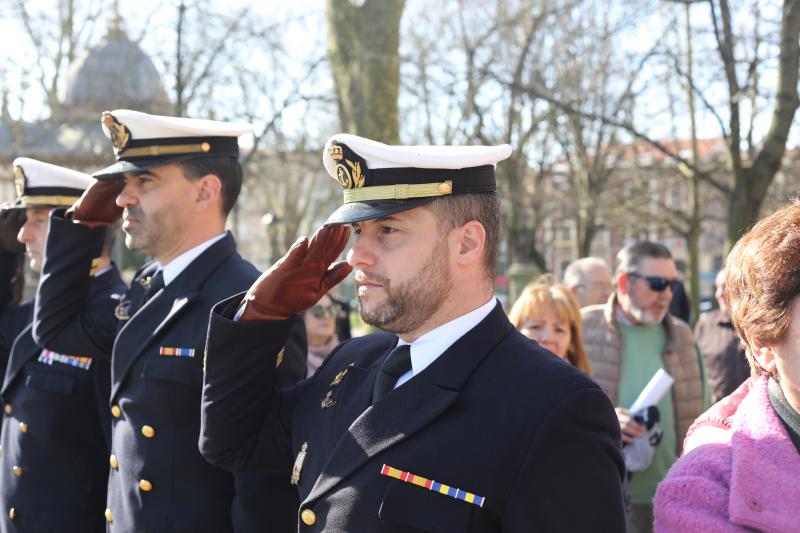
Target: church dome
{"type": "Point", "coordinates": [114, 74]}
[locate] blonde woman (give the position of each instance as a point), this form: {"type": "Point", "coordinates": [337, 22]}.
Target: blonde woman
{"type": "Point", "coordinates": [549, 314]}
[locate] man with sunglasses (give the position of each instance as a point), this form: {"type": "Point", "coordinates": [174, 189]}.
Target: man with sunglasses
{"type": "Point", "coordinates": [628, 339]}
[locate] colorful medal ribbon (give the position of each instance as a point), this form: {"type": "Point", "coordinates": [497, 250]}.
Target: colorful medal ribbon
{"type": "Point", "coordinates": [435, 486]}
{"type": "Point", "coordinates": [176, 352]}
{"type": "Point", "coordinates": [47, 357]}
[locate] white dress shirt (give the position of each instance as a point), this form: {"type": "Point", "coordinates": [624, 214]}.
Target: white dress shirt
{"type": "Point", "coordinates": [426, 349]}
{"type": "Point", "coordinates": [173, 269]}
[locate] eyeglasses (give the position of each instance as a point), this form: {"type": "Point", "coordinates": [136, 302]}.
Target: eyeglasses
{"type": "Point", "coordinates": [319, 311]}
{"type": "Point", "coordinates": [595, 286]}
{"type": "Point", "coordinates": [656, 283]}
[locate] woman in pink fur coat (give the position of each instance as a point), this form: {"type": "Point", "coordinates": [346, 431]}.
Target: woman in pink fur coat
{"type": "Point", "coordinates": [741, 465]}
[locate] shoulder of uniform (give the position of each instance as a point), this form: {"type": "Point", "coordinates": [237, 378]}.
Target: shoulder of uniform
{"type": "Point", "coordinates": [521, 360]}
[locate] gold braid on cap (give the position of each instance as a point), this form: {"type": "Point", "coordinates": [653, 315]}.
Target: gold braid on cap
{"type": "Point", "coordinates": [401, 191]}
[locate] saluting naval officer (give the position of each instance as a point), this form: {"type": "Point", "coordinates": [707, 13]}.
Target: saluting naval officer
{"type": "Point", "coordinates": [174, 183]}
{"type": "Point", "coordinates": [449, 420]}
{"type": "Point", "coordinates": [55, 432]}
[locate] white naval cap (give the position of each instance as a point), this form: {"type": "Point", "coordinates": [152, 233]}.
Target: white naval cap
{"type": "Point", "coordinates": [143, 141]}
{"type": "Point", "coordinates": [41, 184]}
{"type": "Point", "coordinates": [379, 179]}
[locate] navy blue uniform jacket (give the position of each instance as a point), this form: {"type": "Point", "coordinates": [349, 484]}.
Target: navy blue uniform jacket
{"type": "Point", "coordinates": [55, 431]}
{"type": "Point", "coordinates": [158, 479]}
{"type": "Point", "coordinates": [495, 415]}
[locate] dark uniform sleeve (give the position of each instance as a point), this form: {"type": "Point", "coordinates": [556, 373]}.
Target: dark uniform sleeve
{"type": "Point", "coordinates": [13, 318]}
{"type": "Point", "coordinates": [571, 479]}
{"type": "Point", "coordinates": [294, 366]}
{"type": "Point", "coordinates": [245, 419]}
{"type": "Point", "coordinates": [62, 319]}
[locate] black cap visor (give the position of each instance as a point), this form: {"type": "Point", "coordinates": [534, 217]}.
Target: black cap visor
{"type": "Point", "coordinates": [360, 211]}
{"type": "Point", "coordinates": [120, 168]}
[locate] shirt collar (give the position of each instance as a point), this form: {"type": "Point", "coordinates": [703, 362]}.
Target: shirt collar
{"type": "Point", "coordinates": [426, 349]}
{"type": "Point", "coordinates": [173, 269]}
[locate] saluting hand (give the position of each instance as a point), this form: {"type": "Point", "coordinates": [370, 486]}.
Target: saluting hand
{"type": "Point", "coordinates": [11, 220]}
{"type": "Point", "coordinates": [97, 206]}
{"type": "Point", "coordinates": [300, 278]}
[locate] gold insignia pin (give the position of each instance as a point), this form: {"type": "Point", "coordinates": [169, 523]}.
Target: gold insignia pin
{"type": "Point", "coordinates": [335, 152]}
{"type": "Point", "coordinates": [19, 180]}
{"type": "Point", "coordinates": [350, 175]}
{"type": "Point", "coordinates": [122, 310]}
{"type": "Point", "coordinates": [279, 358]}
{"type": "Point", "coordinates": [298, 464]}
{"type": "Point", "coordinates": [339, 377]}
{"type": "Point", "coordinates": [328, 400]}
{"type": "Point", "coordinates": [120, 135]}
{"type": "Point", "coordinates": [145, 282]}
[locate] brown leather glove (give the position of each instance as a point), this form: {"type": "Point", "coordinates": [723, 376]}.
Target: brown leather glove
{"type": "Point", "coordinates": [97, 206]}
{"type": "Point", "coordinates": [300, 278]}
{"type": "Point", "coordinates": [11, 220]}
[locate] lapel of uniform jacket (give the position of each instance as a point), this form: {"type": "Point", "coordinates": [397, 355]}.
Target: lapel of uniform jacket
{"type": "Point", "coordinates": [163, 308]}
{"type": "Point", "coordinates": [413, 406]}
{"type": "Point", "coordinates": [25, 348]}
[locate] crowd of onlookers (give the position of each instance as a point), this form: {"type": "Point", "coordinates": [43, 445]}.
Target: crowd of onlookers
{"type": "Point", "coordinates": [690, 468]}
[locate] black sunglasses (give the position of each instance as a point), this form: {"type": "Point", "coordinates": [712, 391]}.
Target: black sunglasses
{"type": "Point", "coordinates": [319, 311]}
{"type": "Point", "coordinates": [656, 283]}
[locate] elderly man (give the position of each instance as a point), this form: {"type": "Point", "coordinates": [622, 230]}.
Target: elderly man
{"type": "Point", "coordinates": [448, 420]}
{"type": "Point", "coordinates": [723, 354]}
{"type": "Point", "coordinates": [631, 337]}
{"type": "Point", "coordinates": [589, 280]}
{"type": "Point", "coordinates": [174, 183]}
{"type": "Point", "coordinates": [56, 422]}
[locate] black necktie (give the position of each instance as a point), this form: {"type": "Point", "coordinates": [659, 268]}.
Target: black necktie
{"type": "Point", "coordinates": [156, 284]}
{"type": "Point", "coordinates": [397, 363]}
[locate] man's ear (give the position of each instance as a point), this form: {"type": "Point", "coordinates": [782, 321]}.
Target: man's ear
{"type": "Point", "coordinates": [208, 192]}
{"type": "Point", "coordinates": [764, 355]}
{"type": "Point", "coordinates": [623, 283]}
{"type": "Point", "coordinates": [469, 243]}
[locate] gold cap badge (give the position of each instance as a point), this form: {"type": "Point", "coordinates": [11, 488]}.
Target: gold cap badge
{"type": "Point", "coordinates": [335, 152]}
{"type": "Point", "coordinates": [19, 180]}
{"type": "Point", "coordinates": [120, 135]}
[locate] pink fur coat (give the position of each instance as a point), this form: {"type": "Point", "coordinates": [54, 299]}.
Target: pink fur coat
{"type": "Point", "coordinates": [739, 470]}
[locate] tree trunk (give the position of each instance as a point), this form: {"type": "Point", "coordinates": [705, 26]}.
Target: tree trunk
{"type": "Point", "coordinates": [363, 44]}
{"type": "Point", "coordinates": [751, 182]}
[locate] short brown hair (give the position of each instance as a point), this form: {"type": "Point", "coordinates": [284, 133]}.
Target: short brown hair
{"type": "Point", "coordinates": [630, 257]}
{"type": "Point", "coordinates": [227, 169]}
{"type": "Point", "coordinates": [458, 209]}
{"type": "Point", "coordinates": [762, 277]}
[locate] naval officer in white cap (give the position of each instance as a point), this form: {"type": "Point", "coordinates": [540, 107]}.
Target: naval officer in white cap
{"type": "Point", "coordinates": [55, 428]}
{"type": "Point", "coordinates": [174, 182]}
{"type": "Point", "coordinates": [450, 419]}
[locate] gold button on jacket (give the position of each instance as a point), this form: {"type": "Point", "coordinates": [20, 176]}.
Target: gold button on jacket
{"type": "Point", "coordinates": [113, 461]}
{"type": "Point", "coordinates": [109, 516]}
{"type": "Point", "coordinates": [8, 409]}
{"type": "Point", "coordinates": [116, 411]}
{"type": "Point", "coordinates": [308, 517]}
{"type": "Point", "coordinates": [12, 513]}
{"type": "Point", "coordinates": [23, 427]}
{"type": "Point", "coordinates": [17, 470]}
{"type": "Point", "coordinates": [145, 485]}
{"type": "Point", "coordinates": [148, 431]}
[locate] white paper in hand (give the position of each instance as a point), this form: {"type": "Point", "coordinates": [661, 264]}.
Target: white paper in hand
{"type": "Point", "coordinates": [652, 393]}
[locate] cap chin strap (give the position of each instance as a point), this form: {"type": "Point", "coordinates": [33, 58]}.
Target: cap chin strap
{"type": "Point", "coordinates": [402, 191]}
{"type": "Point", "coordinates": [157, 150]}
{"type": "Point", "coordinates": [36, 201]}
